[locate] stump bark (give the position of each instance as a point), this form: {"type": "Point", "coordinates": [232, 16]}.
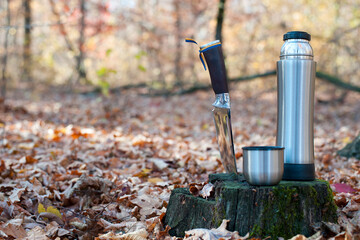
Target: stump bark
{"type": "Point", "coordinates": [352, 149]}
{"type": "Point", "coordinates": [284, 210]}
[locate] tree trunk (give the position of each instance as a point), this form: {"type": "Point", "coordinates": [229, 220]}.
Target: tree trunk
{"type": "Point", "coordinates": [178, 47]}
{"type": "Point", "coordinates": [352, 149]}
{"type": "Point", "coordinates": [220, 20]}
{"type": "Point", "coordinates": [27, 42]}
{"type": "Point", "coordinates": [80, 57]}
{"type": "Point", "coordinates": [219, 25]}
{"type": "Point", "coordinates": [5, 56]}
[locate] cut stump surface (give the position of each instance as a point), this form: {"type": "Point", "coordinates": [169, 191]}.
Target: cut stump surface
{"type": "Point", "coordinates": [284, 210]}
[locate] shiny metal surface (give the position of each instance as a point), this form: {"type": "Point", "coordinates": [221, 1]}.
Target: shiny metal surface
{"type": "Point", "coordinates": [222, 100]}
{"type": "Point", "coordinates": [263, 165]}
{"type": "Point", "coordinates": [296, 49]}
{"type": "Point", "coordinates": [295, 79]}
{"type": "Point", "coordinates": [222, 119]}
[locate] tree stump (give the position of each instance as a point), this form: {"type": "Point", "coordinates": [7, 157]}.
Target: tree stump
{"type": "Point", "coordinates": [284, 210]}
{"type": "Point", "coordinates": [352, 149]}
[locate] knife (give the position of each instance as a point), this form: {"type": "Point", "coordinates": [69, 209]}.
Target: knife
{"type": "Point", "coordinates": [214, 58]}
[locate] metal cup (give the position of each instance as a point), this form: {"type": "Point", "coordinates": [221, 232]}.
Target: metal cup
{"type": "Point", "coordinates": [263, 165]}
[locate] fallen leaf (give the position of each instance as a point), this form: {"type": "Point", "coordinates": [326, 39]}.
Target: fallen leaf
{"type": "Point", "coordinates": [50, 209]}
{"type": "Point", "coordinates": [298, 237]}
{"type": "Point", "coordinates": [155, 180]}
{"type": "Point", "coordinates": [37, 233]}
{"type": "Point", "coordinates": [213, 234]}
{"type": "Point", "coordinates": [54, 210]}
{"type": "Point", "coordinates": [342, 187]}
{"type": "Point", "coordinates": [41, 208]}
{"type": "Point", "coordinates": [16, 195]}
{"type": "Point", "coordinates": [326, 159]}
{"type": "Point", "coordinates": [79, 225]}
{"type": "Point", "coordinates": [351, 207]}
{"type": "Point", "coordinates": [207, 191]}
{"type": "Point", "coordinates": [51, 217]}
{"type": "Point", "coordinates": [141, 234]}
{"type": "Point", "coordinates": [159, 163]}
{"type": "Point", "coordinates": [13, 228]}
{"type": "Point", "coordinates": [2, 166]}
{"type": "Point", "coordinates": [26, 145]}
{"type": "Point", "coordinates": [51, 229]}
{"type": "Point", "coordinates": [28, 160]}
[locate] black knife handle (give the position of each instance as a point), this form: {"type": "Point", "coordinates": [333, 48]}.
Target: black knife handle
{"type": "Point", "coordinates": [215, 61]}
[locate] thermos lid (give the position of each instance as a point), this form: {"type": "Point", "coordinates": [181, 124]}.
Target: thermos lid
{"type": "Point", "coordinates": [297, 35]}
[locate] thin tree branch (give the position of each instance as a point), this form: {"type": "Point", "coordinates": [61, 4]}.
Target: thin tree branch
{"type": "Point", "coordinates": [61, 26]}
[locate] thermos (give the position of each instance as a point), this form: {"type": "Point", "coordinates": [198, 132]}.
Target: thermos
{"type": "Point", "coordinates": [295, 78]}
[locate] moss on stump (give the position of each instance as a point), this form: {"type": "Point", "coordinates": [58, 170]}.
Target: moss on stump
{"type": "Point", "coordinates": [284, 210]}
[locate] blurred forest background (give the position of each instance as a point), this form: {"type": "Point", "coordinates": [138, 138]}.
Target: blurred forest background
{"type": "Point", "coordinates": [106, 44]}
{"type": "Point", "coordinates": [82, 106]}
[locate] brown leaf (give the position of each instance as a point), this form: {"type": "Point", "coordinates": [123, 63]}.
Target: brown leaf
{"type": "Point", "coordinates": [351, 207]}
{"type": "Point", "coordinates": [13, 228]}
{"type": "Point", "coordinates": [86, 183]}
{"type": "Point", "coordinates": [298, 237]}
{"type": "Point", "coordinates": [326, 159]}
{"type": "Point", "coordinates": [51, 217]}
{"type": "Point", "coordinates": [28, 160]}
{"type": "Point", "coordinates": [164, 233]}
{"type": "Point", "coordinates": [214, 234]}
{"type": "Point", "coordinates": [340, 200]}
{"type": "Point", "coordinates": [52, 229]}
{"type": "Point", "coordinates": [334, 228]}
{"type": "Point", "coordinates": [37, 233]}
{"type": "Point", "coordinates": [2, 166]}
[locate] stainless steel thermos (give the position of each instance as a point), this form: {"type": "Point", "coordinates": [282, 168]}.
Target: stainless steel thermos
{"type": "Point", "coordinates": [295, 78]}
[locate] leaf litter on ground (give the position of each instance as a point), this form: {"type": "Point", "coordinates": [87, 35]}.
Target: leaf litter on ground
{"type": "Point", "coordinates": [77, 167]}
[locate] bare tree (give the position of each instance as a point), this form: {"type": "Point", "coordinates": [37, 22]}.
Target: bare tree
{"type": "Point", "coordinates": [5, 56]}
{"type": "Point", "coordinates": [27, 61]}
{"type": "Point", "coordinates": [179, 40]}
{"type": "Point", "coordinates": [220, 20]}
{"type": "Point", "coordinates": [61, 25]}
{"type": "Point", "coordinates": [4, 64]}
{"type": "Point", "coordinates": [80, 57]}
{"type": "Point", "coordinates": [79, 48]}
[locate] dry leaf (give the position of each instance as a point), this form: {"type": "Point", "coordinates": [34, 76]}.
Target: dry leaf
{"type": "Point", "coordinates": [298, 237]}
{"type": "Point", "coordinates": [13, 228]}
{"type": "Point", "coordinates": [26, 145]}
{"type": "Point", "coordinates": [89, 171]}
{"type": "Point", "coordinates": [155, 180]}
{"type": "Point", "coordinates": [51, 217]}
{"type": "Point", "coordinates": [213, 234]}
{"type": "Point", "coordinates": [159, 163]}
{"type": "Point", "coordinates": [51, 229]}
{"type": "Point", "coordinates": [141, 234]}
{"type": "Point", "coordinates": [37, 233]}
{"type": "Point", "coordinates": [49, 209]}
{"type": "Point", "coordinates": [207, 191]}
{"type": "Point", "coordinates": [16, 195]}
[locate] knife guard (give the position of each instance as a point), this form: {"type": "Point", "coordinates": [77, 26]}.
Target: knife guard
{"type": "Point", "coordinates": [215, 61]}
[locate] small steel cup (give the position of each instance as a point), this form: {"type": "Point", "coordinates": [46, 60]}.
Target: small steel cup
{"type": "Point", "coordinates": [263, 165]}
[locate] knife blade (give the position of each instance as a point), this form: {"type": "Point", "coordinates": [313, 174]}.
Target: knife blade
{"type": "Point", "coordinates": [214, 58]}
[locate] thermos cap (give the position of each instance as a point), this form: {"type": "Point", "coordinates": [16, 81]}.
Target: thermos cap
{"type": "Point", "coordinates": [297, 35]}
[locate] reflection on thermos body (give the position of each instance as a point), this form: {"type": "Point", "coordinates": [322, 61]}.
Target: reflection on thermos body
{"type": "Point", "coordinates": [295, 131]}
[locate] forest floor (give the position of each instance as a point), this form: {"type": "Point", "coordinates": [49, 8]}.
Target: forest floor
{"type": "Point", "coordinates": [79, 167]}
